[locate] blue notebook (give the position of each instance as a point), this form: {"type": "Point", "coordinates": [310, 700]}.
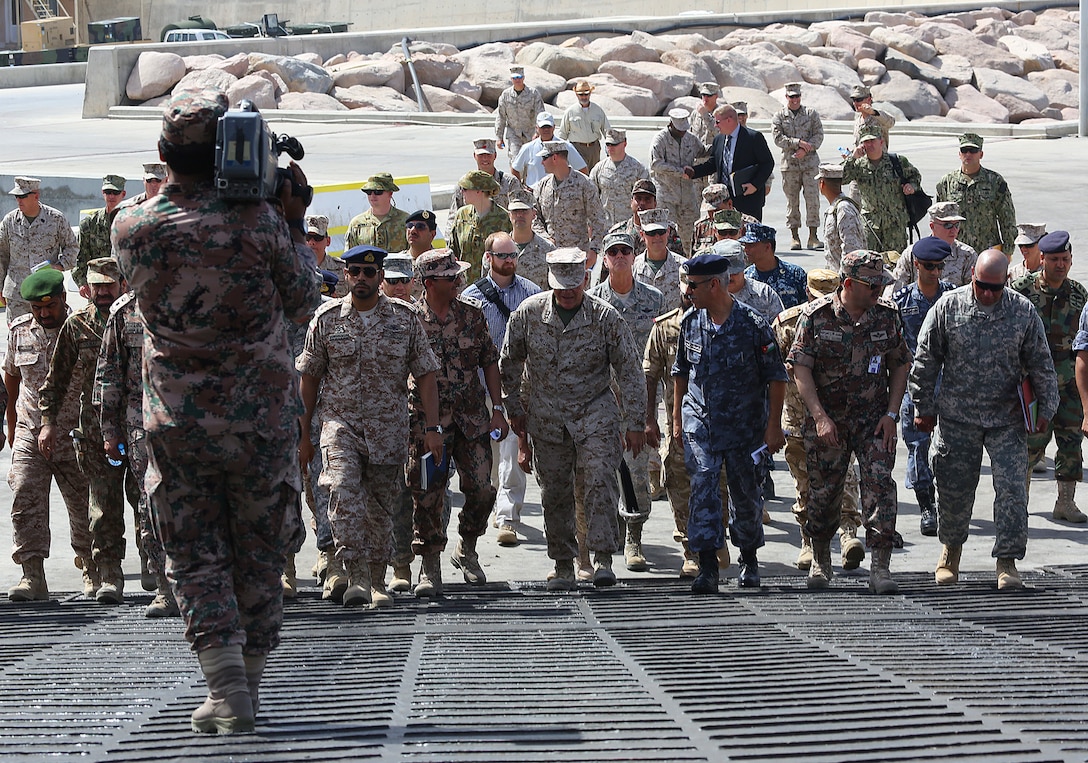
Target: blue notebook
{"type": "Point", "coordinates": [431, 473]}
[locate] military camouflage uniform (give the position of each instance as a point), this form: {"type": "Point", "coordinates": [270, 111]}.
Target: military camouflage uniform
{"type": "Point", "coordinates": [614, 183]}
{"type": "Point", "coordinates": [884, 122]}
{"type": "Point", "coordinates": [533, 260]}
{"type": "Point", "coordinates": [508, 184]}
{"type": "Point", "coordinates": [75, 358]}
{"type": "Point", "coordinates": [468, 231]}
{"type": "Point", "coordinates": [665, 279]}
{"type": "Point", "coordinates": [94, 242]}
{"type": "Point", "coordinates": [789, 128]}
{"type": "Point", "coordinates": [883, 207]}
{"type": "Point", "coordinates": [1060, 310]}
{"type": "Point", "coordinates": [702, 125]}
{"type": "Point", "coordinates": [515, 117]}
{"type": "Point", "coordinates": [26, 244]}
{"type": "Point", "coordinates": [638, 308]}
{"type": "Point", "coordinates": [958, 266]}
{"type": "Point", "coordinates": [841, 353]}
{"type": "Point", "coordinates": [363, 366]}
{"type": "Point", "coordinates": [462, 343]}
{"type": "Point", "coordinates": [215, 282]}
{"type": "Point", "coordinates": [728, 371]}
{"type": "Point", "coordinates": [978, 357]}
{"type": "Point", "coordinates": [388, 234]}
{"type": "Point", "coordinates": [844, 230]}
{"type": "Point", "coordinates": [793, 424]}
{"type": "Point", "coordinates": [573, 416]}
{"type": "Point", "coordinates": [986, 202]}
{"type": "Point", "coordinates": [789, 281]}
{"type": "Point", "coordinates": [704, 234]}
{"type": "Point", "coordinates": [28, 352]}
{"type": "Point", "coordinates": [119, 398]}
{"type": "Point", "coordinates": [672, 238]}
{"type": "Point", "coordinates": [674, 191]}
{"type": "Point", "coordinates": [569, 213]}
{"type": "Point", "coordinates": [761, 298]}
{"type": "Point", "coordinates": [335, 265]}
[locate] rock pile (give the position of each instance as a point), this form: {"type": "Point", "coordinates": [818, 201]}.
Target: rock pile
{"type": "Point", "coordinates": [989, 65]}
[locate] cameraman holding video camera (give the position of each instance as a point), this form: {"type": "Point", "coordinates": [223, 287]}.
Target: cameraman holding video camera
{"type": "Point", "coordinates": [215, 281]}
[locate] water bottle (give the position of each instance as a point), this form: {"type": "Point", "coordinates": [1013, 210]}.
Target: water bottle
{"type": "Point", "coordinates": [113, 461]}
{"type": "Point", "coordinates": [496, 434]}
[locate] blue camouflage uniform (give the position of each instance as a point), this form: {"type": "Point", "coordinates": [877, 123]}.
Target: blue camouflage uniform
{"type": "Point", "coordinates": [725, 415]}
{"type": "Point", "coordinates": [788, 280]}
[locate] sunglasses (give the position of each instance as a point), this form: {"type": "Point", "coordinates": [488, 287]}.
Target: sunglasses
{"type": "Point", "coordinates": [969, 150]}
{"type": "Point", "coordinates": [21, 195]}
{"type": "Point", "coordinates": [503, 255]}
{"type": "Point", "coordinates": [356, 270]}
{"type": "Point", "coordinates": [859, 100]}
{"type": "Point", "coordinates": [314, 237]}
{"type": "Point", "coordinates": [932, 265]}
{"type": "Point", "coordinates": [995, 287]}
{"type": "Point", "coordinates": [950, 226]}
{"type": "Point", "coordinates": [624, 250]}
{"type": "Point", "coordinates": [417, 226]}
{"type": "Point", "coordinates": [375, 193]}
{"type": "Point", "coordinates": [398, 281]}
{"type": "Point", "coordinates": [111, 193]}
{"type": "Point", "coordinates": [696, 284]}
{"type": "Point", "coordinates": [449, 279]}
{"type": "Point", "coordinates": [654, 232]}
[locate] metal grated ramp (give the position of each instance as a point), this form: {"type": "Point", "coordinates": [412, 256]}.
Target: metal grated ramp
{"type": "Point", "coordinates": [641, 672]}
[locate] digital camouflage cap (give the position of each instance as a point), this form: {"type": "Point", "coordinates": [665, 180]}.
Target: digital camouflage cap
{"type": "Point", "coordinates": [191, 117]}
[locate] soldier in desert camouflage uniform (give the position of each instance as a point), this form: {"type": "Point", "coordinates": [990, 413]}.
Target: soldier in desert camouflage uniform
{"type": "Point", "coordinates": [984, 199]}
{"type": "Point", "coordinates": [573, 346]}
{"type": "Point", "coordinates": [154, 176]}
{"type": "Point", "coordinates": [94, 230]}
{"type": "Point", "coordinates": [532, 249]}
{"type": "Point", "coordinates": [568, 210]}
{"type": "Point", "coordinates": [844, 230]}
{"type": "Point", "coordinates": [644, 198]}
{"type": "Point", "coordinates": [850, 361]}
{"type": "Point", "coordinates": [516, 112]}
{"type": "Point", "coordinates": [75, 358]}
{"type": "Point", "coordinates": [484, 154]}
{"type": "Point", "coordinates": [715, 199]}
{"type": "Point", "coordinates": [615, 175]}
{"type": "Point", "coordinates": [382, 225]}
{"type": "Point", "coordinates": [318, 239]}
{"type": "Point", "coordinates": [479, 218]}
{"type": "Point", "coordinates": [359, 352]}
{"type": "Point", "coordinates": [673, 149]}
{"type": "Point", "coordinates": [944, 222]}
{"type": "Point", "coordinates": [978, 342]}
{"type": "Point", "coordinates": [215, 281]}
{"type": "Point", "coordinates": [881, 190]}
{"type": "Point", "coordinates": [30, 346]}
{"type": "Point", "coordinates": [866, 117]}
{"type": "Point", "coordinates": [657, 266]}
{"type": "Point", "coordinates": [799, 132]}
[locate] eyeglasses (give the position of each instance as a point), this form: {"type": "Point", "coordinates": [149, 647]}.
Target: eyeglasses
{"type": "Point", "coordinates": [356, 270]}
{"type": "Point", "coordinates": [654, 232]}
{"type": "Point", "coordinates": [932, 265]}
{"type": "Point", "coordinates": [503, 255]}
{"type": "Point", "coordinates": [696, 284]}
{"type": "Point", "coordinates": [374, 193]}
{"type": "Point", "coordinates": [110, 192]}
{"type": "Point", "coordinates": [995, 287]}
{"type": "Point", "coordinates": [417, 226]}
{"type": "Point", "coordinates": [623, 250]}
{"type": "Point", "coordinates": [950, 226]}
{"type": "Point", "coordinates": [398, 281]}
{"type": "Point", "coordinates": [969, 150]}
{"type": "Point", "coordinates": [874, 287]}
{"type": "Point", "coordinates": [314, 237]}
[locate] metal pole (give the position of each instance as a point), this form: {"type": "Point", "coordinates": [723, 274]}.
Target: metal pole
{"type": "Point", "coordinates": [1083, 120]}
{"type": "Point", "coordinates": [421, 99]}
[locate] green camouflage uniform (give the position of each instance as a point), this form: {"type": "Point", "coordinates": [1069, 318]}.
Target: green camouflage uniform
{"type": "Point", "coordinates": [508, 184]}
{"type": "Point", "coordinates": [388, 234]}
{"type": "Point", "coordinates": [468, 232]}
{"type": "Point", "coordinates": [94, 242]}
{"type": "Point", "coordinates": [986, 202]}
{"type": "Point", "coordinates": [882, 203]}
{"type": "Point", "coordinates": [1060, 311]}
{"type": "Point", "coordinates": [979, 358]}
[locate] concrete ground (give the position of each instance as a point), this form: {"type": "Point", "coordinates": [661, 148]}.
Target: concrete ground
{"type": "Point", "coordinates": [47, 138]}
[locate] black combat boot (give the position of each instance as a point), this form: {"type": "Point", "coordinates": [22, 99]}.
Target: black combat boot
{"type": "Point", "coordinates": [749, 569]}
{"type": "Point", "coordinates": [927, 507]}
{"type": "Point", "coordinates": [707, 579]}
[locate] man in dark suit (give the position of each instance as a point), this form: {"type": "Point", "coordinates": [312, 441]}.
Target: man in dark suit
{"type": "Point", "coordinates": [739, 156]}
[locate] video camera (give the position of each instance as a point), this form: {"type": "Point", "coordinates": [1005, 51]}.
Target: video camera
{"type": "Point", "coordinates": [247, 157]}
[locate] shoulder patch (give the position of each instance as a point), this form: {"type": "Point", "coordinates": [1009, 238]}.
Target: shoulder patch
{"type": "Point", "coordinates": [471, 301]}
{"type": "Point", "coordinates": [120, 303]}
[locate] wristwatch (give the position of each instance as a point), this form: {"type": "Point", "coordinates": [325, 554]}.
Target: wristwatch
{"type": "Point", "coordinates": [433, 429]}
{"type": "Point", "coordinates": [499, 409]}
{"type": "Point", "coordinates": [893, 416]}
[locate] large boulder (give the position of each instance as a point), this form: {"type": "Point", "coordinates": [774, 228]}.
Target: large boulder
{"type": "Point", "coordinates": [238, 65]}
{"type": "Point", "coordinates": [870, 71]}
{"type": "Point", "coordinates": [311, 58]}
{"type": "Point", "coordinates": [997, 84]}
{"type": "Point", "coordinates": [966, 100]}
{"type": "Point", "coordinates": [444, 100]}
{"type": "Point", "coordinates": [154, 74]}
{"type": "Point", "coordinates": [885, 18]}
{"type": "Point", "coordinates": [844, 57]}
{"type": "Point", "coordinates": [639, 101]}
{"type": "Point", "coordinates": [666, 82]}
{"type": "Point", "coordinates": [823, 99]}
{"type": "Point", "coordinates": [489, 67]}
{"type": "Point", "coordinates": [434, 69]}
{"type": "Point", "coordinates": [278, 85]}
{"type": "Point", "coordinates": [802, 35]}
{"type": "Point", "coordinates": [613, 108]}
{"type": "Point", "coordinates": [687, 61]}
{"type": "Point", "coordinates": [788, 44]}
{"type": "Point", "coordinates": [658, 43]}
{"type": "Point", "coordinates": [333, 60]}
{"type": "Point", "coordinates": [300, 76]}
{"type": "Point", "coordinates": [549, 85]}
{"type": "Point", "coordinates": [822, 71]}
{"type": "Point", "coordinates": [1019, 109]}
{"type": "Point", "coordinates": [374, 98]}
{"type": "Point", "coordinates": [694, 43]}
{"type": "Point", "coordinates": [905, 43]}
{"type": "Point", "coordinates": [731, 68]}
{"type": "Point", "coordinates": [256, 88]}
{"type": "Point", "coordinates": [426, 47]}
{"type": "Point", "coordinates": [915, 99]}
{"type": "Point", "coordinates": [296, 101]}
{"type": "Point", "coordinates": [466, 87]}
{"type": "Point", "coordinates": [956, 69]}
{"type": "Point", "coordinates": [568, 63]}
{"type": "Point", "coordinates": [206, 79]}
{"type": "Point", "coordinates": [768, 63]}
{"type": "Point", "coordinates": [915, 69]}
{"type": "Point", "coordinates": [1035, 55]}
{"type": "Point", "coordinates": [981, 54]}
{"type": "Point", "coordinates": [1060, 86]}
{"type": "Point", "coordinates": [861, 46]}
{"type": "Point", "coordinates": [193, 63]}
{"type": "Point", "coordinates": [621, 49]}
{"type": "Point", "coordinates": [373, 72]}
{"type": "Point", "coordinates": [761, 105]}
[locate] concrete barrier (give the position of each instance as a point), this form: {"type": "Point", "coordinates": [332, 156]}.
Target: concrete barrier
{"type": "Point", "coordinates": [42, 74]}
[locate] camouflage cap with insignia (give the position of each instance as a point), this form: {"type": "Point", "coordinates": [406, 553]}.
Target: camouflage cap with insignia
{"type": "Point", "coordinates": [734, 253]}
{"type": "Point", "coordinates": [870, 132]}
{"type": "Point", "coordinates": [970, 140]}
{"type": "Point", "coordinates": [154, 171]}
{"type": "Point", "coordinates": [618, 238]}
{"type": "Point", "coordinates": [822, 281]}
{"type": "Point", "coordinates": [192, 116]}
{"type": "Point", "coordinates": [716, 194]}
{"type": "Point", "coordinates": [741, 107]}
{"type": "Point", "coordinates": [399, 266]}
{"type": "Point", "coordinates": [24, 185]}
{"type": "Point", "coordinates": [438, 263]}
{"type": "Point", "coordinates": [103, 270]}
{"type": "Point", "coordinates": [364, 254]}
{"type": "Point", "coordinates": [381, 181]}
{"type": "Point", "coordinates": [859, 93]}
{"type": "Point", "coordinates": [680, 119]}
{"type": "Point", "coordinates": [317, 225]}
{"type": "Point", "coordinates": [113, 183]}
{"type": "Point", "coordinates": [519, 200]}
{"type": "Point", "coordinates": [829, 170]}
{"type": "Point", "coordinates": [517, 72]}
{"type": "Point", "coordinates": [483, 146]}
{"type": "Point", "coordinates": [654, 219]}
{"type": "Point", "coordinates": [566, 268]}
{"type": "Point", "coordinates": [727, 219]}
{"type": "Point", "coordinates": [709, 88]}
{"type": "Point", "coordinates": [615, 136]}
{"type": "Point", "coordinates": [865, 266]}
{"type": "Point", "coordinates": [756, 232]}
{"type": "Point", "coordinates": [946, 212]}
{"type": "Point", "coordinates": [644, 186]}
{"type": "Point", "coordinates": [793, 88]}
{"type": "Point", "coordinates": [478, 180]}
{"type": "Point", "coordinates": [42, 285]}
{"type": "Point", "coordinates": [551, 148]}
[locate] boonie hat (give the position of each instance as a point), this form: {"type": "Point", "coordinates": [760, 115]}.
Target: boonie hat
{"type": "Point", "coordinates": [822, 281]}
{"type": "Point", "coordinates": [382, 181]}
{"type": "Point", "coordinates": [478, 180]}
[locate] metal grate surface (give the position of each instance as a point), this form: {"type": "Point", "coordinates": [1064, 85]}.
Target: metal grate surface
{"type": "Point", "coordinates": [641, 672]}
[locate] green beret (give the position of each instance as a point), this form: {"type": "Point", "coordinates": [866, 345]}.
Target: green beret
{"type": "Point", "coordinates": [42, 285]}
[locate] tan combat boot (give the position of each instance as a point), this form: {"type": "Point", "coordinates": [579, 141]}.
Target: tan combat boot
{"type": "Point", "coordinates": [690, 567]}
{"type": "Point", "coordinates": [1065, 510]}
{"type": "Point", "coordinates": [229, 707]}
{"type": "Point", "coordinates": [402, 579]}
{"type": "Point", "coordinates": [562, 577]}
{"type": "Point", "coordinates": [430, 576]}
{"type": "Point", "coordinates": [92, 581]}
{"type": "Point", "coordinates": [853, 550]}
{"type": "Point", "coordinates": [290, 583]}
{"type": "Point", "coordinates": [321, 566]}
{"type": "Point", "coordinates": [164, 604]}
{"type": "Point", "coordinates": [32, 586]}
{"type": "Point", "coordinates": [358, 590]}
{"type": "Point", "coordinates": [1007, 576]}
{"type": "Point", "coordinates": [880, 578]}
{"type": "Point", "coordinates": [819, 571]}
{"type": "Point", "coordinates": [804, 558]}
{"type": "Point", "coordinates": [632, 550]}
{"type": "Point", "coordinates": [795, 239]}
{"type": "Point", "coordinates": [112, 590]}
{"type": "Point", "coordinates": [379, 597]}
{"type": "Point", "coordinates": [585, 565]}
{"type": "Point", "coordinates": [813, 241]}
{"type": "Point", "coordinates": [948, 566]}
{"type": "Point", "coordinates": [467, 560]}
{"type": "Point", "coordinates": [254, 671]}
{"type": "Point", "coordinates": [336, 580]}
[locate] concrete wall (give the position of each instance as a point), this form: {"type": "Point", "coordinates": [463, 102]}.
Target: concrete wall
{"type": "Point", "coordinates": [42, 74]}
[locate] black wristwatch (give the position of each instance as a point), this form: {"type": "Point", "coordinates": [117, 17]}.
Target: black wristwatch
{"type": "Point", "coordinates": [893, 416]}
{"type": "Point", "coordinates": [433, 429]}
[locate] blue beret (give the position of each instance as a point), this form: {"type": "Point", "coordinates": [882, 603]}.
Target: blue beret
{"type": "Point", "coordinates": [756, 232]}
{"type": "Point", "coordinates": [931, 249]}
{"type": "Point", "coordinates": [328, 281]}
{"type": "Point", "coordinates": [707, 265]}
{"type": "Point", "coordinates": [364, 255]}
{"type": "Point", "coordinates": [1054, 243]}
{"type": "Point", "coordinates": [42, 285]}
